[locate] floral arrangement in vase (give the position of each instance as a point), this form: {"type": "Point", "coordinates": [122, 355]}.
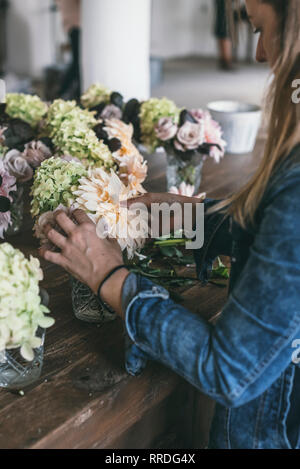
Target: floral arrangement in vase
{"type": "Point", "coordinates": [187, 145]}
{"type": "Point", "coordinates": [67, 185]}
{"type": "Point", "coordinates": [23, 318]}
{"type": "Point", "coordinates": [188, 137]}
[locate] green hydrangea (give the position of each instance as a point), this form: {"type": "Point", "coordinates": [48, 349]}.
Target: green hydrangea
{"type": "Point", "coordinates": [21, 311]}
{"type": "Point", "coordinates": [28, 108]}
{"type": "Point", "coordinates": [62, 111]}
{"type": "Point", "coordinates": [150, 113]}
{"type": "Point", "coordinates": [95, 95]}
{"type": "Point", "coordinates": [70, 129]}
{"type": "Point", "coordinates": [54, 183]}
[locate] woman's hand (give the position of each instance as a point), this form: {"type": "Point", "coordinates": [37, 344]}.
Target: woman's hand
{"type": "Point", "coordinates": [159, 198]}
{"type": "Point", "coordinates": [86, 256]}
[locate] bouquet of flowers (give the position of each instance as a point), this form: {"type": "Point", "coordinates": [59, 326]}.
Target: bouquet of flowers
{"type": "Point", "coordinates": [106, 104]}
{"type": "Point", "coordinates": [21, 311]}
{"type": "Point", "coordinates": [187, 144]}
{"type": "Point", "coordinates": [63, 185]}
{"type": "Point", "coordinates": [196, 131]}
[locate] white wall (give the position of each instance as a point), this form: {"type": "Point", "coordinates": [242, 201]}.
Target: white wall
{"type": "Point", "coordinates": [186, 27]}
{"type": "Point", "coordinates": [31, 42]}
{"type": "Point", "coordinates": [182, 27]}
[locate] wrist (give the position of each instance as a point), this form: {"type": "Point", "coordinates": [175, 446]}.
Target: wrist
{"type": "Point", "coordinates": [111, 290]}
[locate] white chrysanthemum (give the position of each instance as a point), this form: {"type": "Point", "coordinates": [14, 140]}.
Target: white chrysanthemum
{"type": "Point", "coordinates": [132, 167]}
{"type": "Point", "coordinates": [100, 195]}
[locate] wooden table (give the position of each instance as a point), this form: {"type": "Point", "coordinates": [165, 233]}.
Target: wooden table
{"type": "Point", "coordinates": [84, 398]}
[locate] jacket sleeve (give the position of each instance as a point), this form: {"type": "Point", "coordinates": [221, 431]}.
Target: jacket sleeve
{"type": "Point", "coordinates": [250, 346]}
{"type": "Point", "coordinates": [217, 241]}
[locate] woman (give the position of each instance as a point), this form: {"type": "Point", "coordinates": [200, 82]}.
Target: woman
{"type": "Point", "coordinates": [70, 11]}
{"type": "Point", "coordinates": [244, 362]}
{"type": "Point", "coordinates": [223, 36]}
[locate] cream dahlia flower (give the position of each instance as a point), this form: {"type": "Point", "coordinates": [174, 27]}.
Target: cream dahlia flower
{"type": "Point", "coordinates": [100, 195]}
{"type": "Point", "coordinates": [132, 167]}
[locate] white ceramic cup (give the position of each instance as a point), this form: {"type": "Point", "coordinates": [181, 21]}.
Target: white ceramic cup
{"type": "Point", "coordinates": [240, 123]}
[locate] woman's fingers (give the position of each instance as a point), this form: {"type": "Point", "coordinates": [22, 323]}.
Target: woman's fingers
{"type": "Point", "coordinates": [64, 222]}
{"type": "Point", "coordinates": [81, 217]}
{"type": "Point", "coordinates": [56, 238]}
{"type": "Point", "coordinates": [56, 258]}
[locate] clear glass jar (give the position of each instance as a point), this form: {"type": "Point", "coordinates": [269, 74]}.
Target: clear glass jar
{"type": "Point", "coordinates": [17, 212]}
{"type": "Point", "coordinates": [15, 371]}
{"type": "Point", "coordinates": [86, 306]}
{"type": "Point", "coordinates": [184, 167]}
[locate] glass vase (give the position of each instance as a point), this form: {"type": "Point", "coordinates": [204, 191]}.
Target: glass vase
{"type": "Point", "coordinates": [86, 306]}
{"type": "Point", "coordinates": [17, 212]}
{"type": "Point", "coordinates": [184, 167]}
{"type": "Point", "coordinates": [15, 371]}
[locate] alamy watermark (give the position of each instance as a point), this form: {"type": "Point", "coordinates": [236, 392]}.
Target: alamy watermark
{"type": "Point", "coordinates": [296, 93]}
{"type": "Point", "coordinates": [296, 353]}
{"type": "Point", "coordinates": [162, 219]}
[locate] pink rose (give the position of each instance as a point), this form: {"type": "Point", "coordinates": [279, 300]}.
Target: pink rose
{"type": "Point", "coordinates": [198, 114]}
{"type": "Point", "coordinates": [17, 166]}
{"type": "Point", "coordinates": [35, 153]}
{"type": "Point", "coordinates": [213, 135]}
{"type": "Point", "coordinates": [190, 136]}
{"type": "Point", "coordinates": [166, 129]}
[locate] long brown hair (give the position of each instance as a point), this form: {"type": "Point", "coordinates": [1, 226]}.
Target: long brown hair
{"type": "Point", "coordinates": [283, 127]}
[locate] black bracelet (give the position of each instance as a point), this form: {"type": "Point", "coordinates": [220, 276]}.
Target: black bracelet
{"type": "Point", "coordinates": [104, 305]}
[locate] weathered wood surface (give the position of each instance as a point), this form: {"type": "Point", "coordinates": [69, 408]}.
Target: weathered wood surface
{"type": "Point", "coordinates": [84, 398]}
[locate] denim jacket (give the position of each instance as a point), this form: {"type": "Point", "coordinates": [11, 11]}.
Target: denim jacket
{"type": "Point", "coordinates": [246, 360]}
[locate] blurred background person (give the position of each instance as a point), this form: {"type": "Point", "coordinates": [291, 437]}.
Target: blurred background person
{"type": "Point", "coordinates": [70, 12]}
{"type": "Point", "coordinates": [222, 35]}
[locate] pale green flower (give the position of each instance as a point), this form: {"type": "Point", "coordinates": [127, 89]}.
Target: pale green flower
{"type": "Point", "coordinates": [54, 183]}
{"type": "Point", "coordinates": [71, 131]}
{"type": "Point", "coordinates": [95, 95]}
{"type": "Point", "coordinates": [150, 113]}
{"type": "Point", "coordinates": [28, 108]}
{"type": "Point", "coordinates": [21, 311]}
{"type": "Point", "coordinates": [61, 111]}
